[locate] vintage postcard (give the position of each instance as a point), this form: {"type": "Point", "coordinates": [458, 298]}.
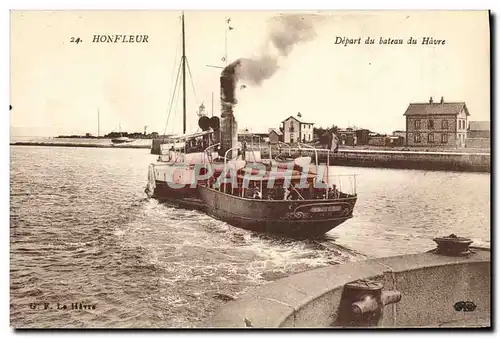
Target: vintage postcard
{"type": "Point", "coordinates": [250, 169]}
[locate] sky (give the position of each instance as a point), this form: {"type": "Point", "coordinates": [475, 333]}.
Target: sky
{"type": "Point", "coordinates": [58, 87]}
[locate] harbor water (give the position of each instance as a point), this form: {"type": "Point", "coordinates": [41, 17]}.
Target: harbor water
{"type": "Point", "coordinates": [83, 231]}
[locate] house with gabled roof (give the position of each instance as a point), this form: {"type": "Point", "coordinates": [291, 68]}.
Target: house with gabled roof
{"type": "Point", "coordinates": [436, 124]}
{"type": "Point", "coordinates": [296, 130]}
{"type": "Point", "coordinates": [275, 135]}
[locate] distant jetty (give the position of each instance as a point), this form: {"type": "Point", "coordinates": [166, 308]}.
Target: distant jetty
{"type": "Point", "coordinates": [420, 160]}
{"type": "Point", "coordinates": [80, 145]}
{"type": "Point", "coordinates": [471, 161]}
{"type": "Point", "coordinates": [112, 135]}
{"type": "Point", "coordinates": [83, 142]}
{"type": "Point", "coordinates": [396, 159]}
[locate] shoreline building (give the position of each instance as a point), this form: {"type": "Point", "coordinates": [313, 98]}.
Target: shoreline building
{"type": "Point", "coordinates": [275, 136]}
{"type": "Point", "coordinates": [401, 134]}
{"type": "Point", "coordinates": [478, 135]}
{"type": "Point", "coordinates": [440, 124]}
{"type": "Point", "coordinates": [295, 130]}
{"type": "Point", "coordinates": [252, 136]}
{"type": "Point", "coordinates": [347, 136]}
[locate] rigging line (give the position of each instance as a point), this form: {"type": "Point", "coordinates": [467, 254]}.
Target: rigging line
{"type": "Point", "coordinates": [172, 80]}
{"type": "Point", "coordinates": [175, 60]}
{"type": "Point", "coordinates": [172, 99]}
{"type": "Point", "coordinates": [192, 81]}
{"type": "Point", "coordinates": [176, 104]}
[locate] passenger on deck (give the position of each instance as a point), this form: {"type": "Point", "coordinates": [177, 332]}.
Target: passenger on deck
{"type": "Point", "coordinates": [335, 191]}
{"type": "Point", "coordinates": [257, 194]}
{"type": "Point", "coordinates": [199, 145]}
{"type": "Point", "coordinates": [205, 142]}
{"type": "Point", "coordinates": [249, 192]}
{"type": "Point", "coordinates": [332, 192]}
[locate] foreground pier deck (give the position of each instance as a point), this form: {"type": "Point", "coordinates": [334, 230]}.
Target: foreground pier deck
{"type": "Point", "coordinates": [419, 290]}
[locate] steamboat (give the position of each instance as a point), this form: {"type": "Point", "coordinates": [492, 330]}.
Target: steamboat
{"type": "Point", "coordinates": [212, 172]}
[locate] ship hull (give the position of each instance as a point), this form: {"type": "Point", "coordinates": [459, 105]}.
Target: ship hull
{"type": "Point", "coordinates": [302, 218]}
{"type": "Point", "coordinates": [187, 197]}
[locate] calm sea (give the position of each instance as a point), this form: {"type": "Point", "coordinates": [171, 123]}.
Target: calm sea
{"type": "Point", "coordinates": [83, 231]}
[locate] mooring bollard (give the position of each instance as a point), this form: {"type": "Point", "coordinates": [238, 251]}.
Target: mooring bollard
{"type": "Point", "coordinates": [363, 303]}
{"type": "Point", "coordinates": [453, 245]}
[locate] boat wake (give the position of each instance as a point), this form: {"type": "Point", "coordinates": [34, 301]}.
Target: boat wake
{"type": "Point", "coordinates": [184, 230]}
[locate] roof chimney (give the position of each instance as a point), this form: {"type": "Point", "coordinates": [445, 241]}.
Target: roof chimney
{"type": "Point", "coordinates": [430, 100]}
{"type": "Point", "coordinates": [442, 99]}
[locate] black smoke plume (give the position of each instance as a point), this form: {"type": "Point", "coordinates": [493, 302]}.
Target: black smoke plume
{"type": "Point", "coordinates": [285, 32]}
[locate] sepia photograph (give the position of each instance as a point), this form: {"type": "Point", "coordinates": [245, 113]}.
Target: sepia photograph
{"type": "Point", "coordinates": [250, 169]}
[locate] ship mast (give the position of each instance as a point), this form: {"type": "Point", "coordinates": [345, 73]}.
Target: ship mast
{"type": "Point", "coordinates": [183, 76]}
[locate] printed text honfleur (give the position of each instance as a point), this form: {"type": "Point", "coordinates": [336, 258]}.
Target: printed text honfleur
{"type": "Point", "coordinates": [120, 38]}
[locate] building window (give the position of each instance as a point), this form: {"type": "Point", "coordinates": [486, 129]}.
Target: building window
{"type": "Point", "coordinates": [430, 138]}
{"type": "Point", "coordinates": [444, 138]}
{"type": "Point", "coordinates": [417, 124]}
{"type": "Point", "coordinates": [416, 137]}
{"type": "Point", "coordinates": [431, 124]}
{"type": "Point", "coordinates": [444, 124]}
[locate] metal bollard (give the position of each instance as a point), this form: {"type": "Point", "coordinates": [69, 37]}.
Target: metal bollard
{"type": "Point", "coordinates": [453, 245]}
{"type": "Point", "coordinates": [363, 303]}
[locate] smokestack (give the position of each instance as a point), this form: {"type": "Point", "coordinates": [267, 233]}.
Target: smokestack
{"type": "Point", "coordinates": [229, 126]}
{"type": "Point", "coordinates": [285, 31]}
